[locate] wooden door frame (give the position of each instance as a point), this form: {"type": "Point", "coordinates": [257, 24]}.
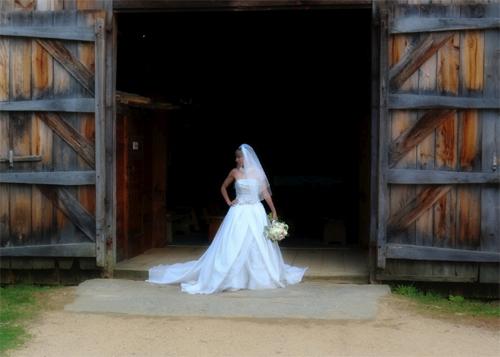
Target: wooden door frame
{"type": "Point", "coordinates": [139, 6]}
{"type": "Point", "coordinates": [232, 5]}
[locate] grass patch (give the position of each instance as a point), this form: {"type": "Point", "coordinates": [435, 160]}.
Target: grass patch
{"type": "Point", "coordinates": [455, 304]}
{"type": "Point", "coordinates": [18, 304]}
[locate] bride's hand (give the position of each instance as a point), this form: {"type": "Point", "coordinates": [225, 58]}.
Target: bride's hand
{"type": "Point", "coordinates": [233, 202]}
{"type": "Point", "coordinates": [275, 215]}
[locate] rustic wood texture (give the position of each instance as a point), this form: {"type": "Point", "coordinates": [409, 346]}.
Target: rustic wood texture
{"type": "Point", "coordinates": [65, 87]}
{"type": "Point", "coordinates": [110, 127]}
{"type": "Point", "coordinates": [419, 24]}
{"type": "Point", "coordinates": [51, 250]}
{"type": "Point", "coordinates": [82, 105]}
{"type": "Point", "coordinates": [408, 176]}
{"type": "Point", "coordinates": [469, 140]}
{"type": "Point", "coordinates": [71, 63]}
{"type": "Point", "coordinates": [490, 194]}
{"type": "Point", "coordinates": [413, 101]}
{"type": "Point", "coordinates": [54, 32]}
{"type": "Point", "coordinates": [426, 150]}
{"type": "Point", "coordinates": [42, 210]}
{"type": "Point", "coordinates": [416, 56]}
{"type": "Point", "coordinates": [86, 56]}
{"type": "Point", "coordinates": [401, 196]}
{"type": "Point", "coordinates": [100, 144]}
{"type": "Point", "coordinates": [444, 211]}
{"type": "Point", "coordinates": [241, 5]}
{"type": "Point", "coordinates": [20, 132]}
{"type": "Point", "coordinates": [417, 252]}
{"type": "Point", "coordinates": [453, 77]}
{"type": "Point", "coordinates": [66, 178]}
{"type": "Point", "coordinates": [34, 81]}
{"type": "Point", "coordinates": [4, 131]}
{"type": "Point", "coordinates": [76, 141]}
{"type": "Point", "coordinates": [425, 199]}
{"type": "Point", "coordinates": [418, 133]}
{"type": "Point", "coordinates": [72, 209]}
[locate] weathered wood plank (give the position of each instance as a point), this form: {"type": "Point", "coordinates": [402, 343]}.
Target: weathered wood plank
{"type": "Point", "coordinates": [20, 132]}
{"type": "Point", "coordinates": [373, 140]}
{"type": "Point", "coordinates": [415, 252]}
{"type": "Point", "coordinates": [48, 5]}
{"type": "Point", "coordinates": [6, 6]}
{"type": "Point", "coordinates": [50, 250]}
{"type": "Point", "coordinates": [66, 86]}
{"type": "Point", "coordinates": [66, 178]}
{"type": "Point", "coordinates": [427, 80]}
{"type": "Point", "coordinates": [72, 209]}
{"type": "Point", "coordinates": [469, 128]}
{"type": "Point", "coordinates": [76, 105]}
{"type": "Point", "coordinates": [111, 130]}
{"type": "Point", "coordinates": [444, 211]}
{"type": "Point", "coordinates": [251, 5]}
{"type": "Point", "coordinates": [86, 55]}
{"type": "Point", "coordinates": [21, 158]}
{"type": "Point", "coordinates": [80, 144]}
{"type": "Point", "coordinates": [404, 217]}
{"type": "Point", "coordinates": [4, 64]}
{"type": "Point", "coordinates": [418, 101]}
{"type": "Point", "coordinates": [42, 210]}
{"type": "Point", "coordinates": [469, 140]}
{"type": "Point", "coordinates": [490, 152]}
{"type": "Point", "coordinates": [421, 24]}
{"type": "Point", "coordinates": [4, 129]}
{"type": "Point", "coordinates": [448, 66]}
{"type": "Point", "coordinates": [417, 133]}
{"type": "Point", "coordinates": [24, 5]}
{"type": "Point", "coordinates": [100, 142]}
{"type": "Point", "coordinates": [444, 278]}
{"type": "Point", "coordinates": [472, 62]}
{"type": "Point", "coordinates": [72, 64]}
{"type": "Point", "coordinates": [415, 57]}
{"type": "Point", "coordinates": [418, 177]}
{"type": "Point", "coordinates": [402, 120]}
{"type": "Point", "coordinates": [52, 32]}
{"type": "Point", "coordinates": [383, 132]}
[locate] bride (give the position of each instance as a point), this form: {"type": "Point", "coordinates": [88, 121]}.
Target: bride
{"type": "Point", "coordinates": [240, 256]}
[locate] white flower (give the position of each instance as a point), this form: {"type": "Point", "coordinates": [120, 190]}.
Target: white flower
{"type": "Point", "coordinates": [276, 230]}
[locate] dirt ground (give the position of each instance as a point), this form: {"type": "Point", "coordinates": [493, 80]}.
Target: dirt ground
{"type": "Point", "coordinates": [399, 329]}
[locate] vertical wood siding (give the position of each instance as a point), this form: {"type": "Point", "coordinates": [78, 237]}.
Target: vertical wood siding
{"type": "Point", "coordinates": [467, 65]}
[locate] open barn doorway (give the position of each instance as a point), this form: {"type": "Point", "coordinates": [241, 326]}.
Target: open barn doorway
{"type": "Point", "coordinates": [293, 84]}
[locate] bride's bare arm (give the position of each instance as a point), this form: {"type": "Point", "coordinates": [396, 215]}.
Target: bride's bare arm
{"type": "Point", "coordinates": [229, 179]}
{"type": "Point", "coordinates": [270, 203]}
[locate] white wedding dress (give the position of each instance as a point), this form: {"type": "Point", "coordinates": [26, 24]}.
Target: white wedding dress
{"type": "Point", "coordinates": [239, 257]}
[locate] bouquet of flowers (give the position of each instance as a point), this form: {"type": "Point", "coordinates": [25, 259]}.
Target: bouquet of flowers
{"type": "Point", "coordinates": [276, 230]}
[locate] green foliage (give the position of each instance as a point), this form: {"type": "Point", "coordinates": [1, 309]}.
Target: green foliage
{"type": "Point", "coordinates": [17, 304]}
{"type": "Point", "coordinates": [455, 304]}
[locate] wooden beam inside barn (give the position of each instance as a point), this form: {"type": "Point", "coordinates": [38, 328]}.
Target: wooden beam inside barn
{"type": "Point", "coordinates": [250, 5]}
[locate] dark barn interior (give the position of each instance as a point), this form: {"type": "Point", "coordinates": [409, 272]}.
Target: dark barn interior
{"type": "Point", "coordinates": [293, 84]}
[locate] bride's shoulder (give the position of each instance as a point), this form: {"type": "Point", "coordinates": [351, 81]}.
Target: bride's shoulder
{"type": "Point", "coordinates": [233, 173]}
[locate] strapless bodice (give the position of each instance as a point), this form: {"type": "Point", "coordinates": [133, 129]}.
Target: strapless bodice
{"type": "Point", "coordinates": [247, 191]}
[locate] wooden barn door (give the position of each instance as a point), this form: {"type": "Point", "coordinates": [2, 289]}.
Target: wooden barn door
{"type": "Point", "coordinates": [52, 134]}
{"type": "Point", "coordinates": [439, 142]}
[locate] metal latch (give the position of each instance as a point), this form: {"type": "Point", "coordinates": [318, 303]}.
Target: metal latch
{"type": "Point", "coordinates": [25, 158]}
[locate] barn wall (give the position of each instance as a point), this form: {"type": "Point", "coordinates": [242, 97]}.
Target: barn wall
{"type": "Point", "coordinates": [466, 215]}
{"type": "Point", "coordinates": [141, 180]}
{"type": "Point", "coordinates": [28, 216]}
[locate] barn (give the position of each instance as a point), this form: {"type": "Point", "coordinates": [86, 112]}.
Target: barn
{"type": "Point", "coordinates": [378, 123]}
